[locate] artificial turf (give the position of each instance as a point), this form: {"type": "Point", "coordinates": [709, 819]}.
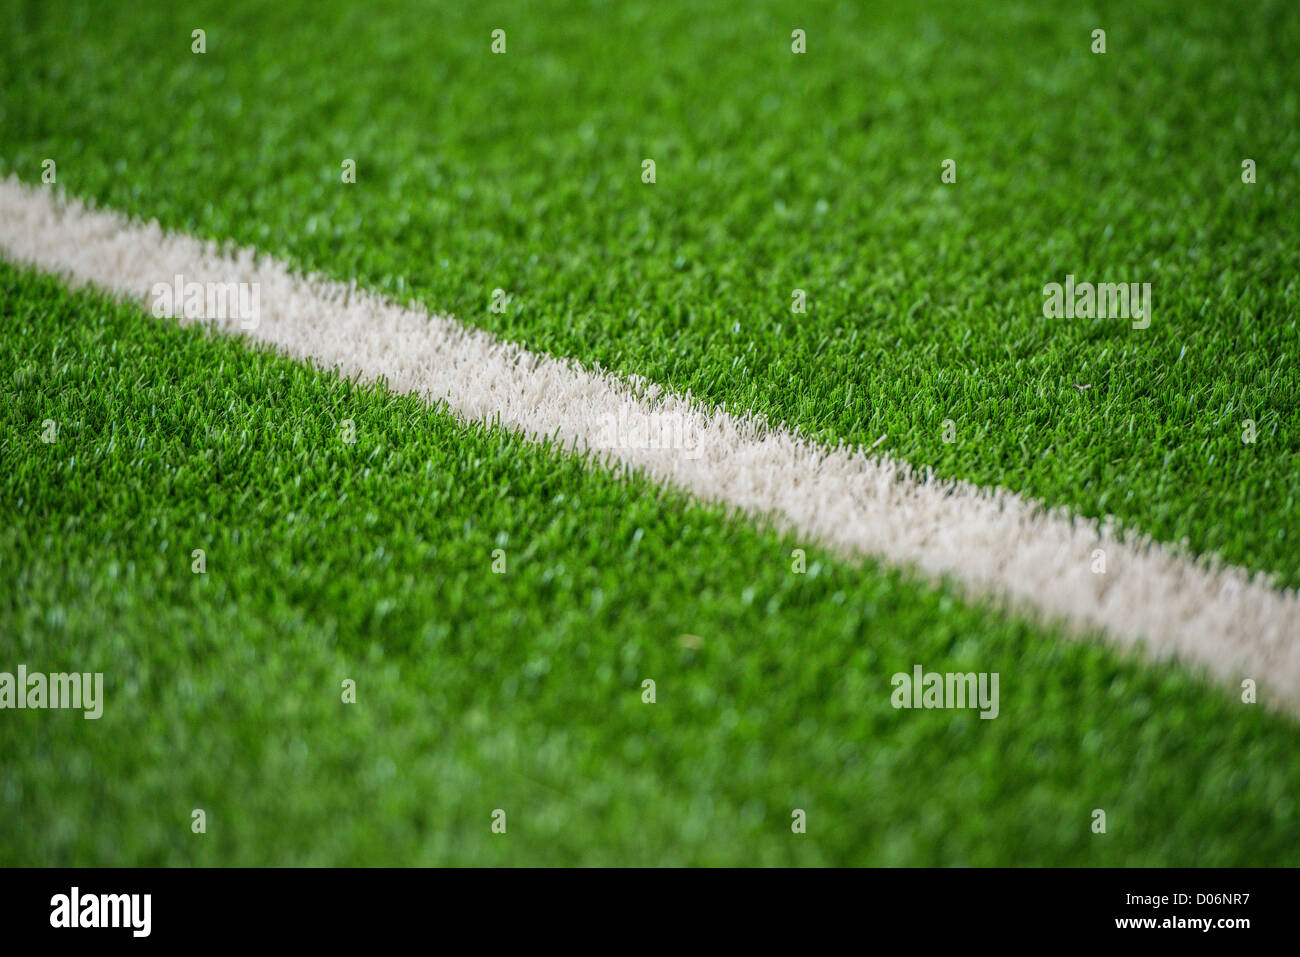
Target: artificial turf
{"type": "Point", "coordinates": [520, 691]}
{"type": "Point", "coordinates": [775, 171]}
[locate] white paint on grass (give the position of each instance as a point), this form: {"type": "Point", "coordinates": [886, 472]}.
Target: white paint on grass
{"type": "Point", "coordinates": [989, 541]}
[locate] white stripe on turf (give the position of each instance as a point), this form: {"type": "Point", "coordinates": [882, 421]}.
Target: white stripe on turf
{"type": "Point", "coordinates": [989, 541]}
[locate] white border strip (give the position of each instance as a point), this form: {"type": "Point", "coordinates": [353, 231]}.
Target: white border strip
{"type": "Point", "coordinates": [990, 541]}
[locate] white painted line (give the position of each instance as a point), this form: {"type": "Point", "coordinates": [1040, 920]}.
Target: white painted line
{"type": "Point", "coordinates": [989, 541]}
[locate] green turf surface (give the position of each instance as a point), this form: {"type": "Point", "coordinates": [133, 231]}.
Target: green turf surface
{"type": "Point", "coordinates": [520, 691]}
{"type": "Point", "coordinates": [775, 172]}
{"type": "Point", "coordinates": [523, 692]}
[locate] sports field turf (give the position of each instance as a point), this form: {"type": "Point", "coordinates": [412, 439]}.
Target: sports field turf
{"type": "Point", "coordinates": [522, 171]}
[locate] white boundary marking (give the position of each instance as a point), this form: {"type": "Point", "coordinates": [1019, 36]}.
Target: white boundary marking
{"type": "Point", "coordinates": [990, 541]}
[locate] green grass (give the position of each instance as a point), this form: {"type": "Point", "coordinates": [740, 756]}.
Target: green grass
{"type": "Point", "coordinates": [523, 691]}
{"type": "Point", "coordinates": [520, 691]}
{"type": "Point", "coordinates": [775, 172]}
